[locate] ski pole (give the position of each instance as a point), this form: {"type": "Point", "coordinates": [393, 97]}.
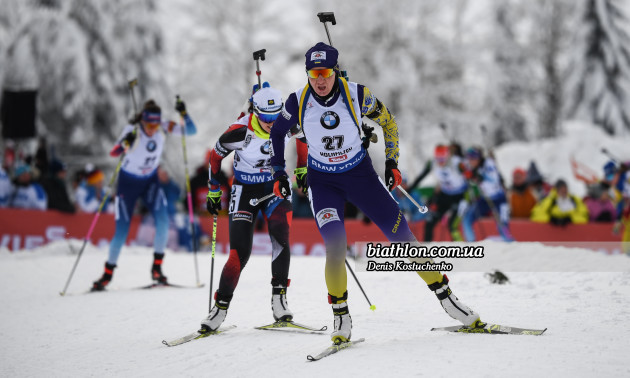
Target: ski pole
{"type": "Point", "coordinates": [256, 201]}
{"type": "Point", "coordinates": [372, 307]}
{"type": "Point", "coordinates": [214, 246]}
{"type": "Point", "coordinates": [422, 209]}
{"type": "Point", "coordinates": [191, 219]}
{"type": "Point", "coordinates": [93, 225]}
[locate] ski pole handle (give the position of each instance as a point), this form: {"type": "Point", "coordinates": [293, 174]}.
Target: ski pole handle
{"type": "Point", "coordinates": [256, 201]}
{"type": "Point", "coordinates": [422, 209]}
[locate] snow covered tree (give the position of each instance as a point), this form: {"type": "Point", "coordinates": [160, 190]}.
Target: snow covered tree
{"type": "Point", "coordinates": [600, 86]}
{"type": "Point", "coordinates": [408, 57]}
{"type": "Point", "coordinates": [79, 55]}
{"type": "Point", "coordinates": [511, 76]}
{"type": "Point", "coordinates": [550, 40]}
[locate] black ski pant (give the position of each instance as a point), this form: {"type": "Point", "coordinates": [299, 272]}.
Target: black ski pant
{"type": "Point", "coordinates": [278, 213]}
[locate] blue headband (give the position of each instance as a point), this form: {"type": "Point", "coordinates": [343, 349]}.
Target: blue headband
{"type": "Point", "coordinates": [151, 117]}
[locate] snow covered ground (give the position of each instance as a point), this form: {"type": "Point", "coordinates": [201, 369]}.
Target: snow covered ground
{"type": "Point", "coordinates": [119, 333]}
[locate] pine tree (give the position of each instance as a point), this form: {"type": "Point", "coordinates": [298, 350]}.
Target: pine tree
{"type": "Point", "coordinates": [551, 37]}
{"type": "Point", "coordinates": [601, 68]}
{"type": "Point", "coordinates": [79, 55]}
{"type": "Point", "coordinates": [512, 78]}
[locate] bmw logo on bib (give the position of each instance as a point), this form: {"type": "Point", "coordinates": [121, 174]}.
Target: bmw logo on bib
{"type": "Point", "coordinates": [151, 146]}
{"type": "Point", "coordinates": [329, 120]}
{"type": "Point", "coordinates": [265, 147]}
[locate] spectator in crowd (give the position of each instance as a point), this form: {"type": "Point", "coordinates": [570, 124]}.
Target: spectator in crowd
{"type": "Point", "coordinates": [90, 192]}
{"type": "Point", "coordinates": [522, 200]}
{"type": "Point", "coordinates": [616, 175]}
{"type": "Point", "coordinates": [199, 188]}
{"type": "Point", "coordinates": [601, 207]}
{"type": "Point", "coordinates": [40, 159]}
{"type": "Point", "coordinates": [26, 193]}
{"type": "Point", "coordinates": [560, 207]}
{"type": "Point", "coordinates": [540, 188]}
{"type": "Point", "coordinates": [77, 179]}
{"type": "Point", "coordinates": [9, 156]}
{"type": "Point", "coordinates": [5, 187]}
{"type": "Point", "coordinates": [54, 183]}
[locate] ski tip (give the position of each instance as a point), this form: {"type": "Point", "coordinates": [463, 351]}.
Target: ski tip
{"type": "Point", "coordinates": [165, 343]}
{"type": "Point", "coordinates": [63, 294]}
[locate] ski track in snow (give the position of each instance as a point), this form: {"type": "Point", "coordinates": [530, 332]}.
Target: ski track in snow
{"type": "Point", "coordinates": [119, 333]}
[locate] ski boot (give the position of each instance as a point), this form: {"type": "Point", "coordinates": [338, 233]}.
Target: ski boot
{"type": "Point", "coordinates": [279, 306]}
{"type": "Point", "coordinates": [343, 321]}
{"type": "Point", "coordinates": [104, 280]}
{"type": "Point", "coordinates": [217, 315]}
{"type": "Point", "coordinates": [156, 269]}
{"type": "Point", "coordinates": [453, 307]}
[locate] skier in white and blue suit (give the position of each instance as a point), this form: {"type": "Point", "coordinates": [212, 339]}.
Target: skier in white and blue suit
{"type": "Point", "coordinates": [138, 178]}
{"type": "Point", "coordinates": [329, 110]}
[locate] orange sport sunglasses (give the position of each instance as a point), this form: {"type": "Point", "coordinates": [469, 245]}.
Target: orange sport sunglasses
{"type": "Point", "coordinates": [324, 72]}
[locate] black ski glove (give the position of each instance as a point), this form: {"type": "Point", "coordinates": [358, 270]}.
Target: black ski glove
{"type": "Point", "coordinates": [128, 140]}
{"type": "Point", "coordinates": [180, 106]}
{"type": "Point", "coordinates": [282, 188]}
{"type": "Point", "coordinates": [393, 177]}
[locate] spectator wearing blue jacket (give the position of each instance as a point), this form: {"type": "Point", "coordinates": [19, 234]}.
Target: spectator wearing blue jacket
{"type": "Point", "coordinates": [90, 192]}
{"type": "Point", "coordinates": [26, 193]}
{"type": "Point", "coordinates": [5, 187]}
